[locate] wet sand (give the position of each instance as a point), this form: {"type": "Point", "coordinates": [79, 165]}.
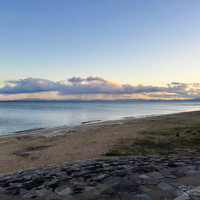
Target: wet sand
{"type": "Point", "coordinates": [87, 141]}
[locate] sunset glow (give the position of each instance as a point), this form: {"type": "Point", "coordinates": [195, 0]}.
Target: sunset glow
{"type": "Point", "coordinates": [137, 49]}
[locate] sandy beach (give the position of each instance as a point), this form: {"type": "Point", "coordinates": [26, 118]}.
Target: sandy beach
{"type": "Point", "coordinates": [88, 141]}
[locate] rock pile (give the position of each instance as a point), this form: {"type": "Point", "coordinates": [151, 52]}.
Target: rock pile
{"type": "Point", "coordinates": [118, 178]}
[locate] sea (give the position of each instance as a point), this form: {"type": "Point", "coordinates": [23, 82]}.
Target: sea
{"type": "Point", "coordinates": [17, 116]}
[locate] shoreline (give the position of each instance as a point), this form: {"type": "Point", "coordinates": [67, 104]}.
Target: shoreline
{"type": "Point", "coordinates": [82, 142]}
{"type": "Point", "coordinates": [39, 129]}
{"type": "Point", "coordinates": [28, 131]}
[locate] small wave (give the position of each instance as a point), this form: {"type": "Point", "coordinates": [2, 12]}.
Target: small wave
{"type": "Point", "coordinates": [89, 122]}
{"type": "Point", "coordinates": [30, 130]}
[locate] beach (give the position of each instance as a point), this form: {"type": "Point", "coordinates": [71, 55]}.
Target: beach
{"type": "Point", "coordinates": [87, 141]}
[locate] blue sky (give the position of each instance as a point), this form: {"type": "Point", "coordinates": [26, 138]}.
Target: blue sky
{"type": "Point", "coordinates": [149, 42]}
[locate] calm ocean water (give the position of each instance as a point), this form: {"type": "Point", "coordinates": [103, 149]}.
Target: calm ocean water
{"type": "Point", "coordinates": [18, 116]}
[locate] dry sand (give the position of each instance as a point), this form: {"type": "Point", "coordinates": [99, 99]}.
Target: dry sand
{"type": "Point", "coordinates": [86, 141]}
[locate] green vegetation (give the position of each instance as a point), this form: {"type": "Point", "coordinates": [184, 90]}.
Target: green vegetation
{"type": "Point", "coordinates": [144, 141]}
{"type": "Point", "coordinates": [179, 141]}
{"type": "Point", "coordinates": [175, 130]}
{"type": "Point", "coordinates": [161, 133]}
{"type": "Point", "coordinates": [113, 153]}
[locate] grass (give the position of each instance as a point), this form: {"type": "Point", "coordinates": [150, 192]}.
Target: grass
{"type": "Point", "coordinates": [158, 133]}
{"type": "Point", "coordinates": [173, 131]}
{"type": "Point", "coordinates": [162, 142]}
{"type": "Point", "coordinates": [144, 141]}
{"type": "Point", "coordinates": [113, 153]}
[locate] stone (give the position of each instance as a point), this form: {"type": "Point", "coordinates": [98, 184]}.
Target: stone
{"type": "Point", "coordinates": [124, 196]}
{"type": "Point", "coordinates": [51, 196]}
{"type": "Point", "coordinates": [121, 173]}
{"type": "Point", "coordinates": [144, 176]}
{"type": "Point", "coordinates": [104, 186]}
{"type": "Point", "coordinates": [105, 178]}
{"type": "Point", "coordinates": [164, 172]}
{"type": "Point", "coordinates": [144, 189]}
{"type": "Point", "coordinates": [191, 172]}
{"type": "Point", "coordinates": [183, 197]}
{"type": "Point", "coordinates": [190, 180]}
{"type": "Point", "coordinates": [102, 176]}
{"type": "Point", "coordinates": [145, 197]}
{"type": "Point", "coordinates": [177, 184]}
{"type": "Point", "coordinates": [179, 174]}
{"type": "Point", "coordinates": [88, 193]}
{"type": "Point", "coordinates": [156, 175]}
{"type": "Point", "coordinates": [194, 198]}
{"type": "Point", "coordinates": [164, 186]}
{"type": "Point", "coordinates": [42, 192]}
{"type": "Point", "coordinates": [68, 197]}
{"type": "Point", "coordinates": [127, 186]}
{"type": "Point", "coordinates": [110, 191]}
{"type": "Point", "coordinates": [194, 192]}
{"type": "Point", "coordinates": [168, 180]}
{"type": "Point", "coordinates": [105, 165]}
{"type": "Point", "coordinates": [177, 192]}
{"type": "Point", "coordinates": [197, 188]}
{"type": "Point", "coordinates": [171, 164]}
{"type": "Point", "coordinates": [29, 185]}
{"type": "Point", "coordinates": [63, 190]}
{"type": "Point", "coordinates": [28, 195]}
{"type": "Point", "coordinates": [152, 181]}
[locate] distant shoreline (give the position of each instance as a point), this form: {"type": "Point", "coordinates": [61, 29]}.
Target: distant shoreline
{"type": "Point", "coordinates": [94, 100]}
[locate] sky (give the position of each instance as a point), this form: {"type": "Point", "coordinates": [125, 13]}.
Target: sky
{"type": "Point", "coordinates": [102, 49]}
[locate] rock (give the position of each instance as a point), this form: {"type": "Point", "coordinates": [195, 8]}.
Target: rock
{"type": "Point", "coordinates": [156, 175]}
{"type": "Point", "coordinates": [144, 189]}
{"type": "Point", "coordinates": [152, 181]}
{"type": "Point", "coordinates": [106, 178]}
{"type": "Point", "coordinates": [171, 164]}
{"type": "Point", "coordinates": [164, 186]}
{"type": "Point", "coordinates": [63, 190]}
{"type": "Point", "coordinates": [124, 196]}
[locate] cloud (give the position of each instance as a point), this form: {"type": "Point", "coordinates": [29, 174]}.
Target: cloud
{"type": "Point", "coordinates": [92, 78]}
{"type": "Point", "coordinates": [75, 80]}
{"type": "Point", "coordinates": [98, 85]}
{"type": "Point", "coordinates": [175, 83]}
{"type": "Point", "coordinates": [28, 85]}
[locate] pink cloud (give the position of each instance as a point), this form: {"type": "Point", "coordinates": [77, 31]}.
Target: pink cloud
{"type": "Point", "coordinates": [98, 85]}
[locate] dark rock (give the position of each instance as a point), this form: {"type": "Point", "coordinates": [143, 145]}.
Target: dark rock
{"type": "Point", "coordinates": [127, 186]}
{"type": "Point", "coordinates": [38, 181]}
{"type": "Point", "coordinates": [121, 173]}
{"type": "Point", "coordinates": [171, 164]}
{"type": "Point", "coordinates": [78, 188]}
{"type": "Point", "coordinates": [98, 170]}
{"type": "Point", "coordinates": [4, 184]}
{"type": "Point", "coordinates": [124, 196]}
{"type": "Point", "coordinates": [110, 191]}
{"type": "Point", "coordinates": [168, 180]}
{"type": "Point", "coordinates": [15, 191]}
{"type": "Point", "coordinates": [47, 178]}
{"type": "Point", "coordinates": [53, 185]}
{"type": "Point", "coordinates": [152, 181]}
{"type": "Point", "coordinates": [29, 185]}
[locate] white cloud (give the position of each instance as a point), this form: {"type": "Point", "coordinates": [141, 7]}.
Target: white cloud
{"type": "Point", "coordinates": [98, 85]}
